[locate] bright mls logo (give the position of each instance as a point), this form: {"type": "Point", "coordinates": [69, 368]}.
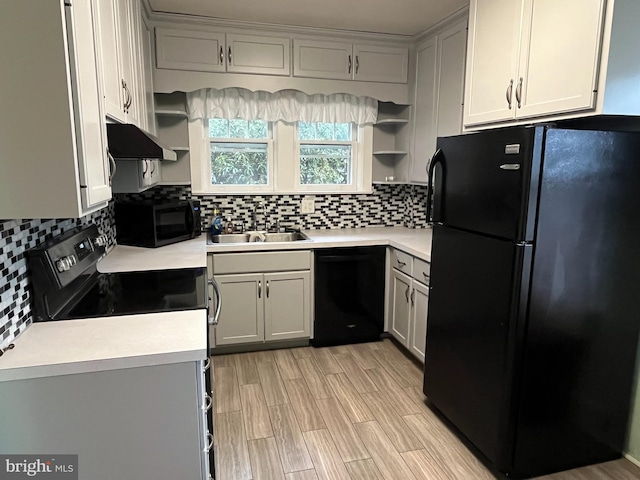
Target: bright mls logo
{"type": "Point", "coordinates": [49, 467]}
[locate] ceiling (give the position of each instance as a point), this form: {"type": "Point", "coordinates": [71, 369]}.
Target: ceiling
{"type": "Point", "coordinates": [403, 17]}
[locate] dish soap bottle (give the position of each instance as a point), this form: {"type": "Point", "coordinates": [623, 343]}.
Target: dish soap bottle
{"type": "Point", "coordinates": [217, 224]}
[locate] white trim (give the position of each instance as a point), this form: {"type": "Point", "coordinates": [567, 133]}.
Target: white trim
{"type": "Point", "coordinates": [633, 460]}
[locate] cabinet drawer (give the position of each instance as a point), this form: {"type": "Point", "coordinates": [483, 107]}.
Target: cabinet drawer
{"type": "Point", "coordinates": [401, 261]}
{"type": "Point", "coordinates": [421, 271]}
{"type": "Point", "coordinates": [261, 262]}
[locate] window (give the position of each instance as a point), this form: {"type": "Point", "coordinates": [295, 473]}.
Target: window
{"type": "Point", "coordinates": [240, 154]}
{"type": "Point", "coordinates": [326, 152]}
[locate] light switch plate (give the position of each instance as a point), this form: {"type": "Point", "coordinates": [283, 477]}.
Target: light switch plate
{"type": "Point", "coordinates": [307, 205]}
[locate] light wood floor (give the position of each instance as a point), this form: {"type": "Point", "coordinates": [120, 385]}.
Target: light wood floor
{"type": "Point", "coordinates": [350, 412]}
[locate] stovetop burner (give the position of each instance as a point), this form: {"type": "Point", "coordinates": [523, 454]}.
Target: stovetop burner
{"type": "Point", "coordinates": [66, 284]}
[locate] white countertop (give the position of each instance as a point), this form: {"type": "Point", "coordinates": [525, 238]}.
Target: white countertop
{"type": "Point", "coordinates": [96, 344]}
{"type": "Point", "coordinates": [187, 254]}
{"type": "Point", "coordinates": [416, 242]}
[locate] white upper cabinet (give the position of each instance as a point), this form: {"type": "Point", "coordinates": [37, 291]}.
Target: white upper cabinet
{"type": "Point", "coordinates": [205, 51]}
{"type": "Point", "coordinates": [62, 171]}
{"type": "Point", "coordinates": [261, 55]}
{"type": "Point", "coordinates": [118, 27]}
{"type": "Point", "coordinates": [331, 60]}
{"type": "Point", "coordinates": [530, 58]}
{"type": "Point", "coordinates": [346, 61]}
{"type": "Point", "coordinates": [439, 91]}
{"type": "Point", "coordinates": [380, 64]}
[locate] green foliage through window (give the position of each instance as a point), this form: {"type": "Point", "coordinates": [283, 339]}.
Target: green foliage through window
{"type": "Point", "coordinates": [239, 164]}
{"type": "Point", "coordinates": [340, 132]}
{"type": "Point", "coordinates": [238, 128]}
{"type": "Point", "coordinates": [325, 165]}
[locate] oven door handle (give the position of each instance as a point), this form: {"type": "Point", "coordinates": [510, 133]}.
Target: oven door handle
{"type": "Point", "coordinates": [213, 320]}
{"type": "Point", "coordinates": [191, 219]}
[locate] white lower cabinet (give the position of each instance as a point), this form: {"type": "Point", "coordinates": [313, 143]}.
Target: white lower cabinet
{"type": "Point", "coordinates": [267, 306]}
{"type": "Point", "coordinates": [143, 422]}
{"type": "Point", "coordinates": [408, 302]}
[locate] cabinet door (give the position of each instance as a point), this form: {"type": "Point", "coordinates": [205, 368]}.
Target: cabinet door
{"type": "Point", "coordinates": [401, 306]}
{"type": "Point", "coordinates": [147, 76]}
{"type": "Point", "coordinates": [190, 50]}
{"type": "Point", "coordinates": [452, 49]}
{"type": "Point", "coordinates": [494, 45]}
{"type": "Point", "coordinates": [287, 311]}
{"type": "Point", "coordinates": [420, 306]}
{"type": "Point", "coordinates": [425, 110]}
{"type": "Point", "coordinates": [559, 65]}
{"type": "Point", "coordinates": [242, 313]}
{"type": "Point", "coordinates": [114, 95]}
{"type": "Point", "coordinates": [90, 134]}
{"type": "Point", "coordinates": [128, 58]}
{"type": "Point", "coordinates": [322, 60]}
{"type": "Point", "coordinates": [261, 55]}
{"type": "Point", "coordinates": [380, 64]}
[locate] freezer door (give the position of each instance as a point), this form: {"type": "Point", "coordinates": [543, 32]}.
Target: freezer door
{"type": "Point", "coordinates": [482, 181]}
{"type": "Point", "coordinates": [467, 373]}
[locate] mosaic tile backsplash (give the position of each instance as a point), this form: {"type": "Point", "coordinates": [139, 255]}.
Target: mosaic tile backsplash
{"type": "Point", "coordinates": [17, 236]}
{"type": "Point", "coordinates": [387, 206]}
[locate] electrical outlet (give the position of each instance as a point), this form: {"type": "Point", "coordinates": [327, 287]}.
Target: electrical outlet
{"type": "Point", "coordinates": [307, 205]}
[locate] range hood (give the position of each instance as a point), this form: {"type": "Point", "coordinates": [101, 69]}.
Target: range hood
{"type": "Point", "coordinates": [128, 142]}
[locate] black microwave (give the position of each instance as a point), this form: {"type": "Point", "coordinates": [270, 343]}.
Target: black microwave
{"type": "Point", "coordinates": [156, 224]}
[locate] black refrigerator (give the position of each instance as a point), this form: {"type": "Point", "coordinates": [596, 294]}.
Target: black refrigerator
{"type": "Point", "coordinates": [534, 307]}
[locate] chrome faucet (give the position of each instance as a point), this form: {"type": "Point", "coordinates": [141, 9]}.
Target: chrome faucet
{"type": "Point", "coordinates": [254, 215]}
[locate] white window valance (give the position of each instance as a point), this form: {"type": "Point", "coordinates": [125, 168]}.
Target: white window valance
{"type": "Point", "coordinates": [286, 105]}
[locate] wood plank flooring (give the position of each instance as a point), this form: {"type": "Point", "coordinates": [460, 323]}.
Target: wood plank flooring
{"type": "Point", "coordinates": [350, 412]}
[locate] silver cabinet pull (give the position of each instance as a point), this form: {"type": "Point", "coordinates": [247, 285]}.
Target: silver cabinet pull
{"type": "Point", "coordinates": [216, 316]}
{"type": "Point", "coordinates": [210, 446]}
{"type": "Point", "coordinates": [207, 364]}
{"type": "Point", "coordinates": [510, 94]}
{"type": "Point", "coordinates": [208, 402]}
{"type": "Point", "coordinates": [413, 296]}
{"type": "Point", "coordinates": [267, 288]}
{"type": "Point", "coordinates": [259, 289]}
{"type": "Point", "coordinates": [519, 93]}
{"type": "Point", "coordinates": [406, 293]}
{"type": "Point", "coordinates": [125, 94]}
{"type": "Point", "coordinates": [112, 162]}
{"type": "Point", "coordinates": [400, 264]}
{"type": "Point", "coordinates": [229, 56]}
{"type": "Point", "coordinates": [221, 55]}
{"type": "Point", "coordinates": [349, 64]}
{"type": "Point", "coordinates": [424, 274]}
{"type": "Point", "coordinates": [357, 64]}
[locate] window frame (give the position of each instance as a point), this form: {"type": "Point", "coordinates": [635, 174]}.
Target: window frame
{"type": "Point", "coordinates": [251, 188]}
{"type": "Point", "coordinates": [328, 187]}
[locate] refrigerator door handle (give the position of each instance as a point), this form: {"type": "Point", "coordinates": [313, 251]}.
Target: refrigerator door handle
{"type": "Point", "coordinates": [438, 157]}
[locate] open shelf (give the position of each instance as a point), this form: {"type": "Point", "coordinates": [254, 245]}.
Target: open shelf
{"type": "Point", "coordinates": [391, 152]}
{"type": "Point", "coordinates": [392, 121]}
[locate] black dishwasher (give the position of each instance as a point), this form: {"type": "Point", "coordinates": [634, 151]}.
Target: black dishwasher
{"type": "Point", "coordinates": [349, 295]}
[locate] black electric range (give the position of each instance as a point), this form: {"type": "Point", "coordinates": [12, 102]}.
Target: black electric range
{"type": "Point", "coordinates": [67, 285]}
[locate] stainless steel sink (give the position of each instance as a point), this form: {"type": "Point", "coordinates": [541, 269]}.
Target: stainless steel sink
{"type": "Point", "coordinates": [257, 237]}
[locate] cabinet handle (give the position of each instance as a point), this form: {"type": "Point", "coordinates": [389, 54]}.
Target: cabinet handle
{"type": "Point", "coordinates": [267, 288]}
{"type": "Point", "coordinates": [349, 64]}
{"type": "Point", "coordinates": [210, 446]}
{"type": "Point", "coordinates": [413, 296]}
{"type": "Point", "coordinates": [221, 55]}
{"type": "Point", "coordinates": [357, 64]}
{"type": "Point", "coordinates": [216, 316]}
{"type": "Point", "coordinates": [153, 167]}
{"type": "Point", "coordinates": [510, 94]}
{"type": "Point", "coordinates": [229, 55]}
{"type": "Point", "coordinates": [425, 275]}
{"type": "Point", "coordinates": [406, 294]}
{"type": "Point", "coordinates": [126, 95]}
{"type": "Point", "coordinates": [259, 289]}
{"type": "Point", "coordinates": [519, 93]}
{"type": "Point", "coordinates": [208, 402]}
{"type": "Point", "coordinates": [206, 365]}
{"type": "Point", "coordinates": [112, 162]}
{"type": "Point", "coordinates": [145, 167]}
{"type": "Point", "coordinates": [401, 264]}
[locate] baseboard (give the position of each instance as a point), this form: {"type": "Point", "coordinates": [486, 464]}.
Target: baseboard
{"type": "Point", "coordinates": [633, 460]}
